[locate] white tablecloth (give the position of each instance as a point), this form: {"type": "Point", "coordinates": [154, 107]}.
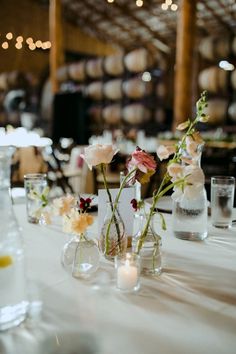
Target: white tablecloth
{"type": "Point", "coordinates": [190, 308]}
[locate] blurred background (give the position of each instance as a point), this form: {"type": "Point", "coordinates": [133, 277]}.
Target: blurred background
{"type": "Point", "coordinates": [121, 71]}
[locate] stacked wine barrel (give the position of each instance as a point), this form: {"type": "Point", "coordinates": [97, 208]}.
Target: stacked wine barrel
{"type": "Point", "coordinates": [116, 87]}
{"type": "Point", "coordinates": [218, 82]}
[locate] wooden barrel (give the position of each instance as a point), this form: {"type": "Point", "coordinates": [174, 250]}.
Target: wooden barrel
{"type": "Point", "coordinates": [137, 88]}
{"type": "Point", "coordinates": [94, 68]}
{"type": "Point", "coordinates": [112, 114]}
{"type": "Point", "coordinates": [113, 89]}
{"type": "Point", "coordinates": [161, 89]}
{"type": "Point", "coordinates": [136, 113]}
{"type": "Point", "coordinates": [114, 65]}
{"type": "Point", "coordinates": [95, 114]}
{"type": "Point", "coordinates": [217, 110]}
{"type": "Point", "coordinates": [76, 71]}
{"type": "Point", "coordinates": [62, 73]}
{"type": "Point", "coordinates": [160, 116]}
{"type": "Point", "coordinates": [138, 60]}
{"type": "Point", "coordinates": [212, 48]}
{"type": "Point", "coordinates": [3, 82]}
{"type": "Point", "coordinates": [233, 79]}
{"type": "Point", "coordinates": [232, 111]}
{"type": "Point", "coordinates": [95, 90]}
{"type": "Point", "coordinates": [213, 79]}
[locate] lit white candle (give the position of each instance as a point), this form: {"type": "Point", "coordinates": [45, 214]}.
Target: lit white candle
{"type": "Point", "coordinates": [127, 276]}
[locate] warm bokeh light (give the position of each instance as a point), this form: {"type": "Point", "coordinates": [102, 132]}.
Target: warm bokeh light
{"type": "Point", "coordinates": [19, 39]}
{"type": "Point", "coordinates": [110, 1]}
{"type": "Point", "coordinates": [44, 45]}
{"type": "Point", "coordinates": [9, 36]}
{"type": "Point", "coordinates": [38, 44]}
{"type": "Point", "coordinates": [18, 45]}
{"type": "Point", "coordinates": [139, 3]}
{"type": "Point", "coordinates": [174, 7]}
{"type": "Point", "coordinates": [32, 46]}
{"type": "Point", "coordinates": [5, 45]}
{"type": "Point", "coordinates": [48, 44]}
{"type": "Point", "coordinates": [29, 40]}
{"type": "Point", "coordinates": [168, 2]}
{"type": "Point", "coordinates": [164, 6]}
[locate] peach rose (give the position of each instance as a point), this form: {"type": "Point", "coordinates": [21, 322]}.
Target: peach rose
{"type": "Point", "coordinates": [97, 154]}
{"type": "Point", "coordinates": [175, 170]}
{"type": "Point", "coordinates": [163, 152]}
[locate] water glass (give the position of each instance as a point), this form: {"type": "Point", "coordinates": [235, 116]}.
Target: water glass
{"type": "Point", "coordinates": [35, 185]}
{"type": "Point", "coordinates": [222, 200]}
{"type": "Point", "coordinates": [127, 272]}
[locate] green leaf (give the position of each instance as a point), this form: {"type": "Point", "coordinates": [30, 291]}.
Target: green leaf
{"type": "Point", "coordinates": [163, 222]}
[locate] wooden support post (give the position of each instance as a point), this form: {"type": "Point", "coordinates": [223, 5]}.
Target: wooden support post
{"type": "Point", "coordinates": [184, 61]}
{"type": "Point", "coordinates": [56, 52]}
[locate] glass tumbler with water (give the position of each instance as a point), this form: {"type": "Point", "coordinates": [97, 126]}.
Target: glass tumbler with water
{"type": "Point", "coordinates": [222, 200]}
{"type": "Point", "coordinates": [35, 185]}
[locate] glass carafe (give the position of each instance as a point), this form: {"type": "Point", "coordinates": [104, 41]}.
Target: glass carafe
{"type": "Point", "coordinates": [13, 291]}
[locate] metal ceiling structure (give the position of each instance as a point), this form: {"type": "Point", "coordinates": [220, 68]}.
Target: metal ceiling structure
{"type": "Point", "coordinates": [126, 25]}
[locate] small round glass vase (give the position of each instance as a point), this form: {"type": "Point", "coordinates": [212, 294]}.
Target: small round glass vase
{"type": "Point", "coordinates": [150, 252]}
{"type": "Point", "coordinates": [80, 256]}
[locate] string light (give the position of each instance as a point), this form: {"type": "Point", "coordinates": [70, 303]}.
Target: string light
{"type": "Point", "coordinates": [139, 3]}
{"type": "Point", "coordinates": [5, 45]}
{"type": "Point", "coordinates": [9, 36]}
{"type": "Point", "coordinates": [18, 45]}
{"type": "Point", "coordinates": [31, 45]}
{"type": "Point", "coordinates": [164, 7]}
{"type": "Point", "coordinates": [29, 40]}
{"type": "Point", "coordinates": [169, 3]}
{"type": "Point", "coordinates": [174, 7]}
{"type": "Point", "coordinates": [19, 39]}
{"type": "Point", "coordinates": [38, 44]}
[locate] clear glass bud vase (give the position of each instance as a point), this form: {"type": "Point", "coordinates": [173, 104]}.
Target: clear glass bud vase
{"type": "Point", "coordinates": [113, 239]}
{"type": "Point", "coordinates": [190, 208]}
{"type": "Point", "coordinates": [80, 256]}
{"type": "Point", "coordinates": [150, 249]}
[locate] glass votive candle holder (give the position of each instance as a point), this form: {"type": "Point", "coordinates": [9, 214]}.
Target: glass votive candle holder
{"type": "Point", "coordinates": [35, 184]}
{"type": "Point", "coordinates": [127, 272]}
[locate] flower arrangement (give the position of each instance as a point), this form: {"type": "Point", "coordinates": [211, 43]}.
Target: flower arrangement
{"type": "Point", "coordinates": [185, 179]}
{"type": "Point", "coordinates": [188, 179]}
{"type": "Point", "coordinates": [141, 166]}
{"type": "Point", "coordinates": [76, 218]}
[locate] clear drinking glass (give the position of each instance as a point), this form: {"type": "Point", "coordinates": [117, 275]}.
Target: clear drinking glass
{"type": "Point", "coordinates": [222, 200]}
{"type": "Point", "coordinates": [35, 185]}
{"type": "Point", "coordinates": [127, 272]}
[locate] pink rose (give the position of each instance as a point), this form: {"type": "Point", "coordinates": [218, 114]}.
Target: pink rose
{"type": "Point", "coordinates": [144, 163]}
{"type": "Point", "coordinates": [163, 152]}
{"type": "Point", "coordinates": [97, 154]}
{"type": "Point", "coordinates": [142, 160]}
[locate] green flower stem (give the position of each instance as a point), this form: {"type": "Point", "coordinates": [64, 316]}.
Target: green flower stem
{"type": "Point", "coordinates": [113, 208]}
{"type": "Point", "coordinates": [156, 197]}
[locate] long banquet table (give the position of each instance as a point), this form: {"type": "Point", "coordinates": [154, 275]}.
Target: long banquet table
{"type": "Point", "coordinates": [189, 309]}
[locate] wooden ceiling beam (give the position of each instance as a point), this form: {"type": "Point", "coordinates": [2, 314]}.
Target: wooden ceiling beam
{"type": "Point", "coordinates": [216, 16]}
{"type": "Point", "coordinates": [135, 38]}
{"type": "Point", "coordinates": [102, 35]}
{"type": "Point", "coordinates": [125, 11]}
